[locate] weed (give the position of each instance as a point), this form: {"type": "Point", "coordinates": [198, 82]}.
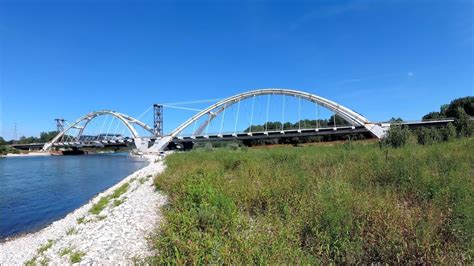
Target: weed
{"type": "Point", "coordinates": [104, 201]}
{"type": "Point", "coordinates": [119, 191]}
{"type": "Point", "coordinates": [31, 262]}
{"type": "Point", "coordinates": [71, 231]}
{"type": "Point", "coordinates": [45, 247]}
{"type": "Point", "coordinates": [76, 256]}
{"type": "Point", "coordinates": [339, 204]}
{"type": "Point", "coordinates": [118, 202]}
{"type": "Point", "coordinates": [44, 261]}
{"type": "Point", "coordinates": [65, 251]}
{"type": "Point", "coordinates": [100, 205]}
{"type": "Point", "coordinates": [82, 220]}
{"type": "Point", "coordinates": [101, 217]}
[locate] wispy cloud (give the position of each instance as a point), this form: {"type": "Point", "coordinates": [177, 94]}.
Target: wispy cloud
{"type": "Point", "coordinates": [372, 77]}
{"type": "Point", "coordinates": [328, 11]}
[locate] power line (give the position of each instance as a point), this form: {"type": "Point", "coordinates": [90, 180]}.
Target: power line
{"type": "Point", "coordinates": [182, 108]}
{"type": "Point", "coordinates": [192, 102]}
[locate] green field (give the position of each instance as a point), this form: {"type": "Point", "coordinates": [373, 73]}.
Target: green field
{"type": "Point", "coordinates": [346, 203]}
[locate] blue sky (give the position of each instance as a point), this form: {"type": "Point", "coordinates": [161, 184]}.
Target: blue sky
{"type": "Point", "coordinates": [380, 58]}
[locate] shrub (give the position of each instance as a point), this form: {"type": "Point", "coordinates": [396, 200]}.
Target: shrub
{"type": "Point", "coordinates": [208, 146]}
{"type": "Point", "coordinates": [233, 146]}
{"type": "Point", "coordinates": [463, 123]}
{"type": "Point", "coordinates": [397, 136]}
{"type": "Point", "coordinates": [76, 256]}
{"type": "Point", "coordinates": [427, 136]}
{"type": "Point", "coordinates": [448, 133]}
{"type": "Point", "coordinates": [5, 149]}
{"type": "Point", "coordinates": [341, 204]}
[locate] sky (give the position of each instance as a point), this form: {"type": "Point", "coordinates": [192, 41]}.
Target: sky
{"type": "Point", "coordinates": [381, 58]}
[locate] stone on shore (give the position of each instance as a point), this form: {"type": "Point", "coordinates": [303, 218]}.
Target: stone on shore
{"type": "Point", "coordinates": [115, 234]}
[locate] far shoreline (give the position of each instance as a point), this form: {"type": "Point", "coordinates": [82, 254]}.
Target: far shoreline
{"type": "Point", "coordinates": [20, 155]}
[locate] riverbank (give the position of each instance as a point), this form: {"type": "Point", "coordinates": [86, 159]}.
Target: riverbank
{"type": "Point", "coordinates": [110, 228]}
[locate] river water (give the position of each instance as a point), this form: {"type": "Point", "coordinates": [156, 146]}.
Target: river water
{"type": "Point", "coordinates": [35, 191]}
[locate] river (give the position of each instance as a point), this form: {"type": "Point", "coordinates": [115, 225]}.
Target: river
{"type": "Point", "coordinates": [35, 191]}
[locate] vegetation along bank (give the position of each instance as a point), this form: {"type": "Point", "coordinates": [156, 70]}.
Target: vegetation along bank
{"type": "Point", "coordinates": [357, 203]}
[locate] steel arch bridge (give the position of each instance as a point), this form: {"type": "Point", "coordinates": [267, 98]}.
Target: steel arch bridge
{"type": "Point", "coordinates": [155, 144]}
{"type": "Point", "coordinates": [140, 142]}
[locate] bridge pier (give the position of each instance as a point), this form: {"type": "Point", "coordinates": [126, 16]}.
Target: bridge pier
{"type": "Point", "coordinates": [377, 130]}
{"type": "Point", "coordinates": [160, 144]}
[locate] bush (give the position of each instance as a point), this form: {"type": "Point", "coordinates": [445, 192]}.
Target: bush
{"type": "Point", "coordinates": [397, 136]}
{"type": "Point", "coordinates": [4, 150]}
{"type": "Point", "coordinates": [448, 133]}
{"type": "Point", "coordinates": [208, 146]}
{"type": "Point", "coordinates": [427, 136]}
{"type": "Point", "coordinates": [463, 123]}
{"type": "Point", "coordinates": [233, 146]}
{"type": "Point", "coordinates": [340, 204]}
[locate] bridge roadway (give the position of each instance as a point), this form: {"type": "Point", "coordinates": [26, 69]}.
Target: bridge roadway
{"type": "Point", "coordinates": [273, 134]}
{"type": "Point", "coordinates": [341, 130]}
{"type": "Point", "coordinates": [345, 130]}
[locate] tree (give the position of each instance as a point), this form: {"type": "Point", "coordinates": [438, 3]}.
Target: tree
{"type": "Point", "coordinates": [339, 121]}
{"type": "Point", "coordinates": [449, 132]}
{"type": "Point", "coordinates": [463, 123]}
{"type": "Point", "coordinates": [466, 103]}
{"type": "Point", "coordinates": [397, 136]}
{"type": "Point", "coordinates": [395, 120]}
{"type": "Point", "coordinates": [433, 115]}
{"type": "Point", "coordinates": [451, 110]}
{"type": "Point", "coordinates": [427, 136]}
{"type": "Point", "coordinates": [47, 136]}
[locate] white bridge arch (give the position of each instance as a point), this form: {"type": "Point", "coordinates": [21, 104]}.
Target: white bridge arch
{"type": "Point", "coordinates": [128, 121]}
{"type": "Point", "coordinates": [157, 144]}
{"type": "Point", "coordinates": [349, 115]}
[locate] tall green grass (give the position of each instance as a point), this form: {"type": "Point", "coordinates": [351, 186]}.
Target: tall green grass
{"type": "Point", "coordinates": [347, 203]}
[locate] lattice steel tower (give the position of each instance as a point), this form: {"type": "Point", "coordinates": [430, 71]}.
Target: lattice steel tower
{"type": "Point", "coordinates": [158, 119]}
{"type": "Point", "coordinates": [59, 124]}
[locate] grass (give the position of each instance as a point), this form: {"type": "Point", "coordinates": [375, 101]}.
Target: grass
{"type": "Point", "coordinates": [347, 203]}
{"type": "Point", "coordinates": [31, 262]}
{"type": "Point", "coordinates": [118, 202]}
{"type": "Point", "coordinates": [82, 220]}
{"type": "Point", "coordinates": [104, 201]}
{"type": "Point", "coordinates": [71, 231]}
{"type": "Point", "coordinates": [44, 261]}
{"type": "Point", "coordinates": [143, 179]}
{"type": "Point", "coordinates": [76, 256]}
{"type": "Point", "coordinates": [119, 191]}
{"type": "Point", "coordinates": [100, 205]}
{"type": "Point", "coordinates": [65, 251]}
{"type": "Point", "coordinates": [45, 247]}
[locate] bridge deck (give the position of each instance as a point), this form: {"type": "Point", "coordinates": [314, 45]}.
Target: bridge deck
{"type": "Point", "coordinates": [273, 134]}
{"type": "Point", "coordinates": [345, 130]}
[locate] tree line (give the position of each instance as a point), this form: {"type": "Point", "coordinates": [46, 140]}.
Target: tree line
{"type": "Point", "coordinates": [44, 137]}
{"type": "Point", "coordinates": [461, 110]}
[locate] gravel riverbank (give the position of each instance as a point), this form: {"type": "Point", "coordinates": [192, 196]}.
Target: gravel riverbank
{"type": "Point", "coordinates": [111, 228]}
